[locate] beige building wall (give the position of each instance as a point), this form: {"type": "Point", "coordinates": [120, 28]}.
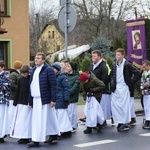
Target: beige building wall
{"type": "Point", "coordinates": [17, 26]}
{"type": "Point", "coordinates": [53, 44]}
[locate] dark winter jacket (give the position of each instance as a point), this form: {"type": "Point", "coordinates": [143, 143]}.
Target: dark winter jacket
{"type": "Point", "coordinates": [5, 86]}
{"type": "Point", "coordinates": [131, 76]}
{"type": "Point", "coordinates": [74, 85]}
{"type": "Point", "coordinates": [22, 93]}
{"type": "Point", "coordinates": [14, 77]}
{"type": "Point", "coordinates": [101, 72]}
{"type": "Point", "coordinates": [94, 86]}
{"type": "Point", "coordinates": [47, 83]}
{"type": "Point", "coordinates": [63, 91]}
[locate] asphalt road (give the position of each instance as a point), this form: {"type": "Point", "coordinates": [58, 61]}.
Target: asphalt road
{"type": "Point", "coordinates": [110, 139]}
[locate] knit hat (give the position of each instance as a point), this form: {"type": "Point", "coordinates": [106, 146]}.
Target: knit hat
{"type": "Point", "coordinates": [57, 66]}
{"type": "Point", "coordinates": [84, 76]}
{"type": "Point", "coordinates": [18, 64]}
{"type": "Point", "coordinates": [24, 68]}
{"type": "Point", "coordinates": [73, 65]}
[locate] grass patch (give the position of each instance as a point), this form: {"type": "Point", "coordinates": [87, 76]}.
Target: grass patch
{"type": "Point", "coordinates": [81, 102]}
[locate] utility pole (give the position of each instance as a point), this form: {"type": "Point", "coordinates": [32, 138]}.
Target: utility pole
{"type": "Point", "coordinates": [67, 19]}
{"type": "Point", "coordinates": [66, 29]}
{"type": "Point", "coordinates": [36, 31]}
{"type": "Point", "coordinates": [135, 10]}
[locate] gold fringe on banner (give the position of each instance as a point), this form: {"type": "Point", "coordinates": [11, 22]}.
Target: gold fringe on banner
{"type": "Point", "coordinates": [136, 65]}
{"type": "Point", "coordinates": [135, 23]}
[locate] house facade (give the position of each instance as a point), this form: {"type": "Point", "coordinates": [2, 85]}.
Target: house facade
{"type": "Point", "coordinates": [14, 45]}
{"type": "Point", "coordinates": [51, 38]}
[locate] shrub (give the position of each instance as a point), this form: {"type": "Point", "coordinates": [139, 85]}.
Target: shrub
{"type": "Point", "coordinates": [86, 64]}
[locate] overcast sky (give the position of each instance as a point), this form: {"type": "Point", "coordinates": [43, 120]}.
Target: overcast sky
{"type": "Point", "coordinates": [40, 5]}
{"type": "Point", "coordinates": [39, 2]}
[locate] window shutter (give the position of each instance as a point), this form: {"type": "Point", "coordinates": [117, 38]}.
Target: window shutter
{"type": "Point", "coordinates": [9, 8]}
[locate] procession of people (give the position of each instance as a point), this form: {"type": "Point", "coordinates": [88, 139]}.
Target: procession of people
{"type": "Point", "coordinates": [39, 104]}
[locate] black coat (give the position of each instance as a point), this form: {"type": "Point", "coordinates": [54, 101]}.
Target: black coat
{"type": "Point", "coordinates": [131, 76]}
{"type": "Point", "coordinates": [101, 72]}
{"type": "Point", "coordinates": [22, 91]}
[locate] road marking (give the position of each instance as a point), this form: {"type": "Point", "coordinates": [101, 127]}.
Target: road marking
{"type": "Point", "coordinates": [145, 134]}
{"type": "Point", "coordinates": [95, 143]}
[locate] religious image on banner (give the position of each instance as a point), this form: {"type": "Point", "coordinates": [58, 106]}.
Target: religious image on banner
{"type": "Point", "coordinates": [136, 40]}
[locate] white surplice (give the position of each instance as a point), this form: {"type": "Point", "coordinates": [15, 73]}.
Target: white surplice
{"type": "Point", "coordinates": [93, 112]}
{"type": "Point", "coordinates": [44, 120]}
{"type": "Point", "coordinates": [72, 113]}
{"type": "Point", "coordinates": [146, 102]}
{"type": "Point", "coordinates": [63, 120]}
{"type": "Point", "coordinates": [106, 105]}
{"type": "Point", "coordinates": [21, 122]}
{"type": "Point", "coordinates": [120, 99]}
{"type": "Point", "coordinates": [11, 110]}
{"type": "Point", "coordinates": [4, 124]}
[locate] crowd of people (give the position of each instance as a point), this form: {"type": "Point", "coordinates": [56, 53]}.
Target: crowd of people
{"type": "Point", "coordinates": [39, 104]}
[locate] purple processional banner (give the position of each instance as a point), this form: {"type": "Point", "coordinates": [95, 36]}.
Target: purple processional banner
{"type": "Point", "coordinates": [136, 41]}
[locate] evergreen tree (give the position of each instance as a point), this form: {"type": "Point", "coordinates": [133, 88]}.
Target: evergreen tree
{"type": "Point", "coordinates": [77, 61]}
{"type": "Point", "coordinates": [117, 43]}
{"type": "Point", "coordinates": [56, 58]}
{"type": "Point", "coordinates": [86, 63]}
{"type": "Point", "coordinates": [103, 44]}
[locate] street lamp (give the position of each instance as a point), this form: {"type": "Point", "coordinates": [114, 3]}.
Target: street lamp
{"type": "Point", "coordinates": [2, 30]}
{"type": "Point", "coordinates": [135, 10]}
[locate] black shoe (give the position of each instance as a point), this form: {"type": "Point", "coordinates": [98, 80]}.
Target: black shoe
{"type": "Point", "coordinates": [146, 125]}
{"type": "Point", "coordinates": [119, 125]}
{"type": "Point", "coordinates": [123, 128]}
{"type": "Point", "coordinates": [99, 128]}
{"type": "Point", "coordinates": [23, 141]}
{"type": "Point", "coordinates": [66, 134]}
{"type": "Point", "coordinates": [52, 139]}
{"type": "Point", "coordinates": [33, 144]}
{"type": "Point", "coordinates": [105, 124]}
{"type": "Point", "coordinates": [73, 130]}
{"type": "Point", "coordinates": [95, 128]}
{"type": "Point", "coordinates": [59, 137]}
{"type": "Point", "coordinates": [2, 140]}
{"type": "Point", "coordinates": [83, 119]}
{"type": "Point", "coordinates": [88, 130]}
{"type": "Point", "coordinates": [5, 136]}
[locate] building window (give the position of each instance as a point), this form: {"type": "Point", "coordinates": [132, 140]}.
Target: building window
{"type": "Point", "coordinates": [5, 7]}
{"type": "Point", "coordinates": [58, 47]}
{"type": "Point", "coordinates": [4, 52]}
{"type": "Point", "coordinates": [53, 34]}
{"type": "Point", "coordinates": [49, 34]}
